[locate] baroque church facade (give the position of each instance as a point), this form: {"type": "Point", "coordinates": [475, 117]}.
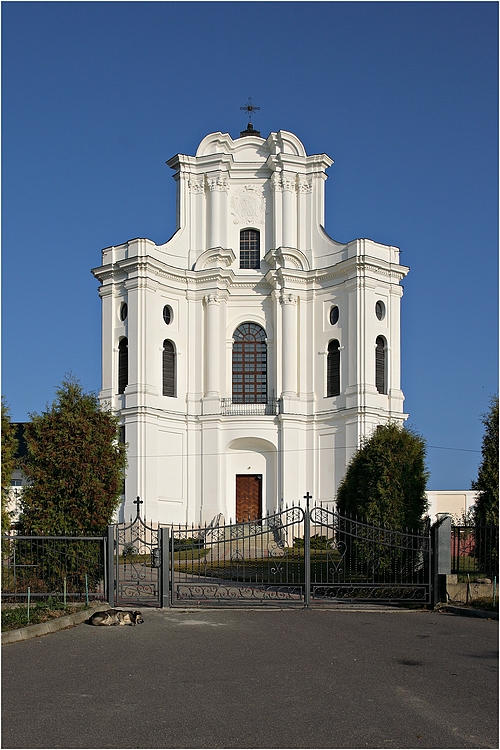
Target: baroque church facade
{"type": "Point", "coordinates": [249, 355]}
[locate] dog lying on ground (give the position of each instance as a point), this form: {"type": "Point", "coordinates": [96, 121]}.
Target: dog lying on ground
{"type": "Point", "coordinates": [116, 617]}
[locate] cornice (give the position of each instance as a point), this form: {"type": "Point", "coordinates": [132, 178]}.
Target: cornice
{"type": "Point", "coordinates": [363, 263]}
{"type": "Point", "coordinates": [142, 266]}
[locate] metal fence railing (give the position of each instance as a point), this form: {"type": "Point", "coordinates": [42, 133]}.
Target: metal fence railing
{"type": "Point", "coordinates": [55, 566]}
{"type": "Point", "coordinates": [474, 551]}
{"type": "Point", "coordinates": [268, 406]}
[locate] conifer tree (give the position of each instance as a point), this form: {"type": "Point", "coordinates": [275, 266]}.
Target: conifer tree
{"type": "Point", "coordinates": [485, 509]}
{"type": "Point", "coordinates": [486, 484]}
{"type": "Point", "coordinates": [9, 449]}
{"type": "Point", "coordinates": [385, 480]}
{"type": "Point", "coordinates": [74, 465]}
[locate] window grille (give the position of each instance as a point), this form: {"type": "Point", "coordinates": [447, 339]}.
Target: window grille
{"type": "Point", "coordinates": [249, 248]}
{"type": "Point", "coordinates": [249, 365]}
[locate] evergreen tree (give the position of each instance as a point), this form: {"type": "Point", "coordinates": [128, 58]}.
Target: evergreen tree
{"type": "Point", "coordinates": [486, 484]}
{"type": "Point", "coordinates": [9, 450]}
{"type": "Point", "coordinates": [75, 465]}
{"type": "Point", "coordinates": [385, 480]}
{"type": "Point", "coordinates": [485, 510]}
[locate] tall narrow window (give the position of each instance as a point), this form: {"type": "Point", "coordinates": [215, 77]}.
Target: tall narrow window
{"type": "Point", "coordinates": [249, 248]}
{"type": "Point", "coordinates": [168, 368]}
{"type": "Point", "coordinates": [333, 369]}
{"type": "Point", "coordinates": [122, 365]}
{"type": "Point", "coordinates": [380, 375]}
{"type": "Point", "coordinates": [249, 365]}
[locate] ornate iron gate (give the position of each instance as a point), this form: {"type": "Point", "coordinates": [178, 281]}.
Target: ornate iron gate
{"type": "Point", "coordinates": [137, 563]}
{"type": "Point", "coordinates": [254, 562]}
{"type": "Point", "coordinates": [295, 557]}
{"type": "Point", "coordinates": [298, 557]}
{"type": "Point", "coordinates": [351, 560]}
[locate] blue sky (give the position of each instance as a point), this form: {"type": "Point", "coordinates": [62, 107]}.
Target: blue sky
{"type": "Point", "coordinates": [403, 96]}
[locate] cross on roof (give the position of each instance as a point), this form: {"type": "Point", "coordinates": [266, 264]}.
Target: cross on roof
{"type": "Point", "coordinates": [250, 107]}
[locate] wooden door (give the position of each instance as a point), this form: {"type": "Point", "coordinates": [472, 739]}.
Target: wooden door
{"type": "Point", "coordinates": [248, 497]}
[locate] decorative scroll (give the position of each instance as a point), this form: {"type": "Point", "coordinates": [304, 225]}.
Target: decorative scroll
{"type": "Point", "coordinates": [369, 593]}
{"type": "Point", "coordinates": [238, 592]}
{"type": "Point", "coordinates": [140, 592]}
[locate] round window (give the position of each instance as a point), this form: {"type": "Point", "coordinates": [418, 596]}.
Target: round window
{"type": "Point", "coordinates": [123, 311]}
{"type": "Point", "coordinates": [380, 310]}
{"type": "Point", "coordinates": [167, 314]}
{"type": "Point", "coordinates": [334, 315]}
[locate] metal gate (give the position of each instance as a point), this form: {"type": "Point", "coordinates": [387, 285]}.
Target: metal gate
{"type": "Point", "coordinates": [295, 557]}
{"type": "Point", "coordinates": [137, 563]}
{"type": "Point", "coordinates": [253, 562]}
{"type": "Point", "coordinates": [298, 557]}
{"type": "Point", "coordinates": [355, 561]}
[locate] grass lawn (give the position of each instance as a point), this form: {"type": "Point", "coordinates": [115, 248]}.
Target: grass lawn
{"type": "Point", "coordinates": [16, 616]}
{"type": "Point", "coordinates": [288, 568]}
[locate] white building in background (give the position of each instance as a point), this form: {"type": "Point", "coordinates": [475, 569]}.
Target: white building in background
{"type": "Point", "coordinates": [457, 503]}
{"type": "Point", "coordinates": [249, 354]}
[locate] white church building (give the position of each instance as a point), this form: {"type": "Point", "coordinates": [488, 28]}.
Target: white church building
{"type": "Point", "coordinates": [248, 355]}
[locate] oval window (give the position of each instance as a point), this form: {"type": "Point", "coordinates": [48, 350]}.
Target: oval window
{"type": "Point", "coordinates": [380, 310]}
{"type": "Point", "coordinates": [123, 311]}
{"type": "Point", "coordinates": [167, 314]}
{"type": "Point", "coordinates": [334, 315]}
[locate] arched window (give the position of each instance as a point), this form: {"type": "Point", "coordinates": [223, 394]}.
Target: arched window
{"type": "Point", "coordinates": [380, 375]}
{"type": "Point", "coordinates": [249, 365]}
{"type": "Point", "coordinates": [249, 248]}
{"type": "Point", "coordinates": [168, 368]}
{"type": "Point", "coordinates": [122, 365]}
{"type": "Point", "coordinates": [333, 369]}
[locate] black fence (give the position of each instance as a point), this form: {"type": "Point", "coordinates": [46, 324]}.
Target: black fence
{"type": "Point", "coordinates": [474, 551]}
{"type": "Point", "coordinates": [73, 568]}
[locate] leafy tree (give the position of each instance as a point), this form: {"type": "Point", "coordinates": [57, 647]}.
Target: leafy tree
{"type": "Point", "coordinates": [386, 479]}
{"type": "Point", "coordinates": [9, 450]}
{"type": "Point", "coordinates": [74, 465]}
{"type": "Point", "coordinates": [486, 484]}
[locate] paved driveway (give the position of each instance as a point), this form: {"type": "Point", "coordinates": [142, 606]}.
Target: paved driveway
{"type": "Point", "coordinates": [257, 679]}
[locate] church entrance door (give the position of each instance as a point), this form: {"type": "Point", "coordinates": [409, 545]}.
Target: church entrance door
{"type": "Point", "coordinates": [248, 497]}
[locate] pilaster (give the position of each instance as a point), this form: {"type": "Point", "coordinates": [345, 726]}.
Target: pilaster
{"type": "Point", "coordinates": [211, 400]}
{"type": "Point", "coordinates": [288, 303]}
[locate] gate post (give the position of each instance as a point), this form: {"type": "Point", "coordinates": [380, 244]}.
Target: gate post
{"type": "Point", "coordinates": [110, 560]}
{"type": "Point", "coordinates": [307, 552]}
{"type": "Point", "coordinates": [441, 557]}
{"type": "Point", "coordinates": [165, 567]}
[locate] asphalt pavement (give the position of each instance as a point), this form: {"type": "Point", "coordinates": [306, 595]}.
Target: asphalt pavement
{"type": "Point", "coordinates": [262, 678]}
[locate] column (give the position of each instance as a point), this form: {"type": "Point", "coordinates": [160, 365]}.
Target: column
{"type": "Point", "coordinates": [212, 354]}
{"type": "Point", "coordinates": [217, 185]}
{"type": "Point", "coordinates": [289, 233]}
{"type": "Point", "coordinates": [289, 343]}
